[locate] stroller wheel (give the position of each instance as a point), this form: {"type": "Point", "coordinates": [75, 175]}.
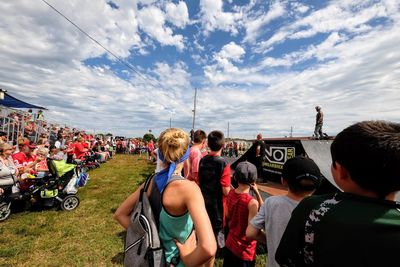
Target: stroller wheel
{"type": "Point", "coordinates": [5, 211]}
{"type": "Point", "coordinates": [70, 202]}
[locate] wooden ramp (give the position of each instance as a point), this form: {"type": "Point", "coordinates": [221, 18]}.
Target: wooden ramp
{"type": "Point", "coordinates": [272, 189]}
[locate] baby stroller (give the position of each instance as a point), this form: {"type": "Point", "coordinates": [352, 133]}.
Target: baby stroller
{"type": "Point", "coordinates": [5, 200]}
{"type": "Point", "coordinates": [58, 189]}
{"type": "Point", "coordinates": [67, 183]}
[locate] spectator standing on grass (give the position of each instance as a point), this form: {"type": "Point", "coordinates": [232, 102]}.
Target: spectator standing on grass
{"type": "Point", "coordinates": [242, 207]}
{"type": "Point", "coordinates": [192, 169]}
{"type": "Point", "coordinates": [215, 181]}
{"type": "Point", "coordinates": [302, 176]}
{"type": "Point", "coordinates": [361, 225]}
{"type": "Point", "coordinates": [150, 148]}
{"type": "Point", "coordinates": [182, 206]}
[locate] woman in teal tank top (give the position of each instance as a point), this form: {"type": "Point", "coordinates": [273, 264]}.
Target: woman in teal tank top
{"type": "Point", "coordinates": [183, 207]}
{"type": "Point", "coordinates": [174, 228]}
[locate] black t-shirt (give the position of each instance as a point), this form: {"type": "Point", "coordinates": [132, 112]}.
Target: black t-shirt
{"type": "Point", "coordinates": [261, 144]}
{"type": "Point", "coordinates": [210, 173]}
{"type": "Point", "coordinates": [340, 230]}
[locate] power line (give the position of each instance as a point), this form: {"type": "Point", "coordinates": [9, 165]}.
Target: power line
{"type": "Point", "coordinates": [102, 46]}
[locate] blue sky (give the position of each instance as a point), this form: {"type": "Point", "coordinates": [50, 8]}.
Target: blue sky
{"type": "Point", "coordinates": [262, 66]}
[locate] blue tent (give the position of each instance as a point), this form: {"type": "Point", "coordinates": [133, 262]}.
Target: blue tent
{"type": "Point", "coordinates": [12, 102]}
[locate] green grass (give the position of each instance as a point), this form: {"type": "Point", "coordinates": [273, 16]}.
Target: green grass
{"type": "Point", "coordinates": [87, 236]}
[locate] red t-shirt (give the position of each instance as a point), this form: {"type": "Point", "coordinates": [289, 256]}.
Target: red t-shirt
{"type": "Point", "coordinates": [225, 182]}
{"type": "Point", "coordinates": [194, 159]}
{"type": "Point", "coordinates": [21, 159]}
{"type": "Point", "coordinates": [79, 150]}
{"type": "Point", "coordinates": [238, 212]}
{"type": "Point", "coordinates": [150, 146]}
{"type": "Point", "coordinates": [72, 147]}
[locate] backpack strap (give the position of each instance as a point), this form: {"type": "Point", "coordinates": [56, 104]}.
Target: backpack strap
{"type": "Point", "coordinates": [146, 185]}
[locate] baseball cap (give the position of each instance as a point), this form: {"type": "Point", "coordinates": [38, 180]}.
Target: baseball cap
{"type": "Point", "coordinates": [245, 172]}
{"type": "Point", "coordinates": [300, 168]}
{"type": "Point", "coordinates": [27, 143]}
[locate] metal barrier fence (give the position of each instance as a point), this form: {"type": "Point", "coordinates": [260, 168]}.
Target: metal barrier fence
{"type": "Point", "coordinates": [14, 123]}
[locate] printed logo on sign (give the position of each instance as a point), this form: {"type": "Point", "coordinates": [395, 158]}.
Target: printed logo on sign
{"type": "Point", "coordinates": [276, 156]}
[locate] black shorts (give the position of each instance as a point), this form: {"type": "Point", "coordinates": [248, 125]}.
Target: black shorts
{"type": "Point", "coordinates": [231, 260]}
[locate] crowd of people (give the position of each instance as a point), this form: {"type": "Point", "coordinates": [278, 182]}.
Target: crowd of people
{"type": "Point", "coordinates": [24, 151]}
{"type": "Point", "coordinates": [203, 209]}
{"type": "Point", "coordinates": [199, 212]}
{"type": "Point", "coordinates": [134, 146]}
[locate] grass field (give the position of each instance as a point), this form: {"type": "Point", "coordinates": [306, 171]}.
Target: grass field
{"type": "Point", "coordinates": [87, 236]}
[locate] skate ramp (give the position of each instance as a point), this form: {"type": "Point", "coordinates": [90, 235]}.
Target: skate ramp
{"type": "Point", "coordinates": [319, 151]}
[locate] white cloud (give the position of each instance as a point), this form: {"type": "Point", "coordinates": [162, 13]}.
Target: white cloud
{"type": "Point", "coordinates": [324, 50]}
{"type": "Point", "coordinates": [352, 17]}
{"type": "Point", "coordinates": [177, 14]}
{"type": "Point", "coordinates": [360, 84]}
{"type": "Point", "coordinates": [300, 8]}
{"type": "Point", "coordinates": [231, 51]}
{"type": "Point", "coordinates": [253, 25]}
{"type": "Point", "coordinates": [223, 62]}
{"type": "Point", "coordinates": [214, 18]}
{"type": "Point", "coordinates": [56, 39]}
{"type": "Point", "coordinates": [152, 21]}
{"type": "Point", "coordinates": [44, 55]}
{"type": "Point", "coordinates": [353, 72]}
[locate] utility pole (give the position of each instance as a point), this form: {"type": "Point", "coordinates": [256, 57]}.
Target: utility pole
{"type": "Point", "coordinates": [170, 119]}
{"type": "Point", "coordinates": [228, 129]}
{"type": "Point", "coordinates": [194, 108]}
{"type": "Point", "coordinates": [291, 131]}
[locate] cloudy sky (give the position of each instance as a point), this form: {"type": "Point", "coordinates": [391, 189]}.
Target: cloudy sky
{"type": "Point", "coordinates": [260, 65]}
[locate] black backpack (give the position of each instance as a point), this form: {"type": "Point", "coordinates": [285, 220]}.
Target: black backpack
{"type": "Point", "coordinates": [142, 243]}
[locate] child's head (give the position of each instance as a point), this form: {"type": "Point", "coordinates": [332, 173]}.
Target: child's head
{"type": "Point", "coordinates": [245, 173]}
{"type": "Point", "coordinates": [370, 152]}
{"type": "Point", "coordinates": [173, 144]}
{"type": "Point", "coordinates": [301, 174]}
{"type": "Point", "coordinates": [199, 136]}
{"type": "Point", "coordinates": [216, 140]}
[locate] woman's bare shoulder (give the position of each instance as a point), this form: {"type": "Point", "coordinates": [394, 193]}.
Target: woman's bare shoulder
{"type": "Point", "coordinates": [185, 186]}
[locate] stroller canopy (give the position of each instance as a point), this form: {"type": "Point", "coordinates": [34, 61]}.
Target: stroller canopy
{"type": "Point", "coordinates": [62, 167]}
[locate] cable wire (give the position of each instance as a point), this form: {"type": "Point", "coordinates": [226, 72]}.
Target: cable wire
{"type": "Point", "coordinates": [102, 46]}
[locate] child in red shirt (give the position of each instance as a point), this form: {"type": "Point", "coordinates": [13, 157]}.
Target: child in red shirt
{"type": "Point", "coordinates": [242, 207]}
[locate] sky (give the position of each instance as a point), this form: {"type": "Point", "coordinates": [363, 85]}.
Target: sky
{"type": "Point", "coordinates": [258, 66]}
